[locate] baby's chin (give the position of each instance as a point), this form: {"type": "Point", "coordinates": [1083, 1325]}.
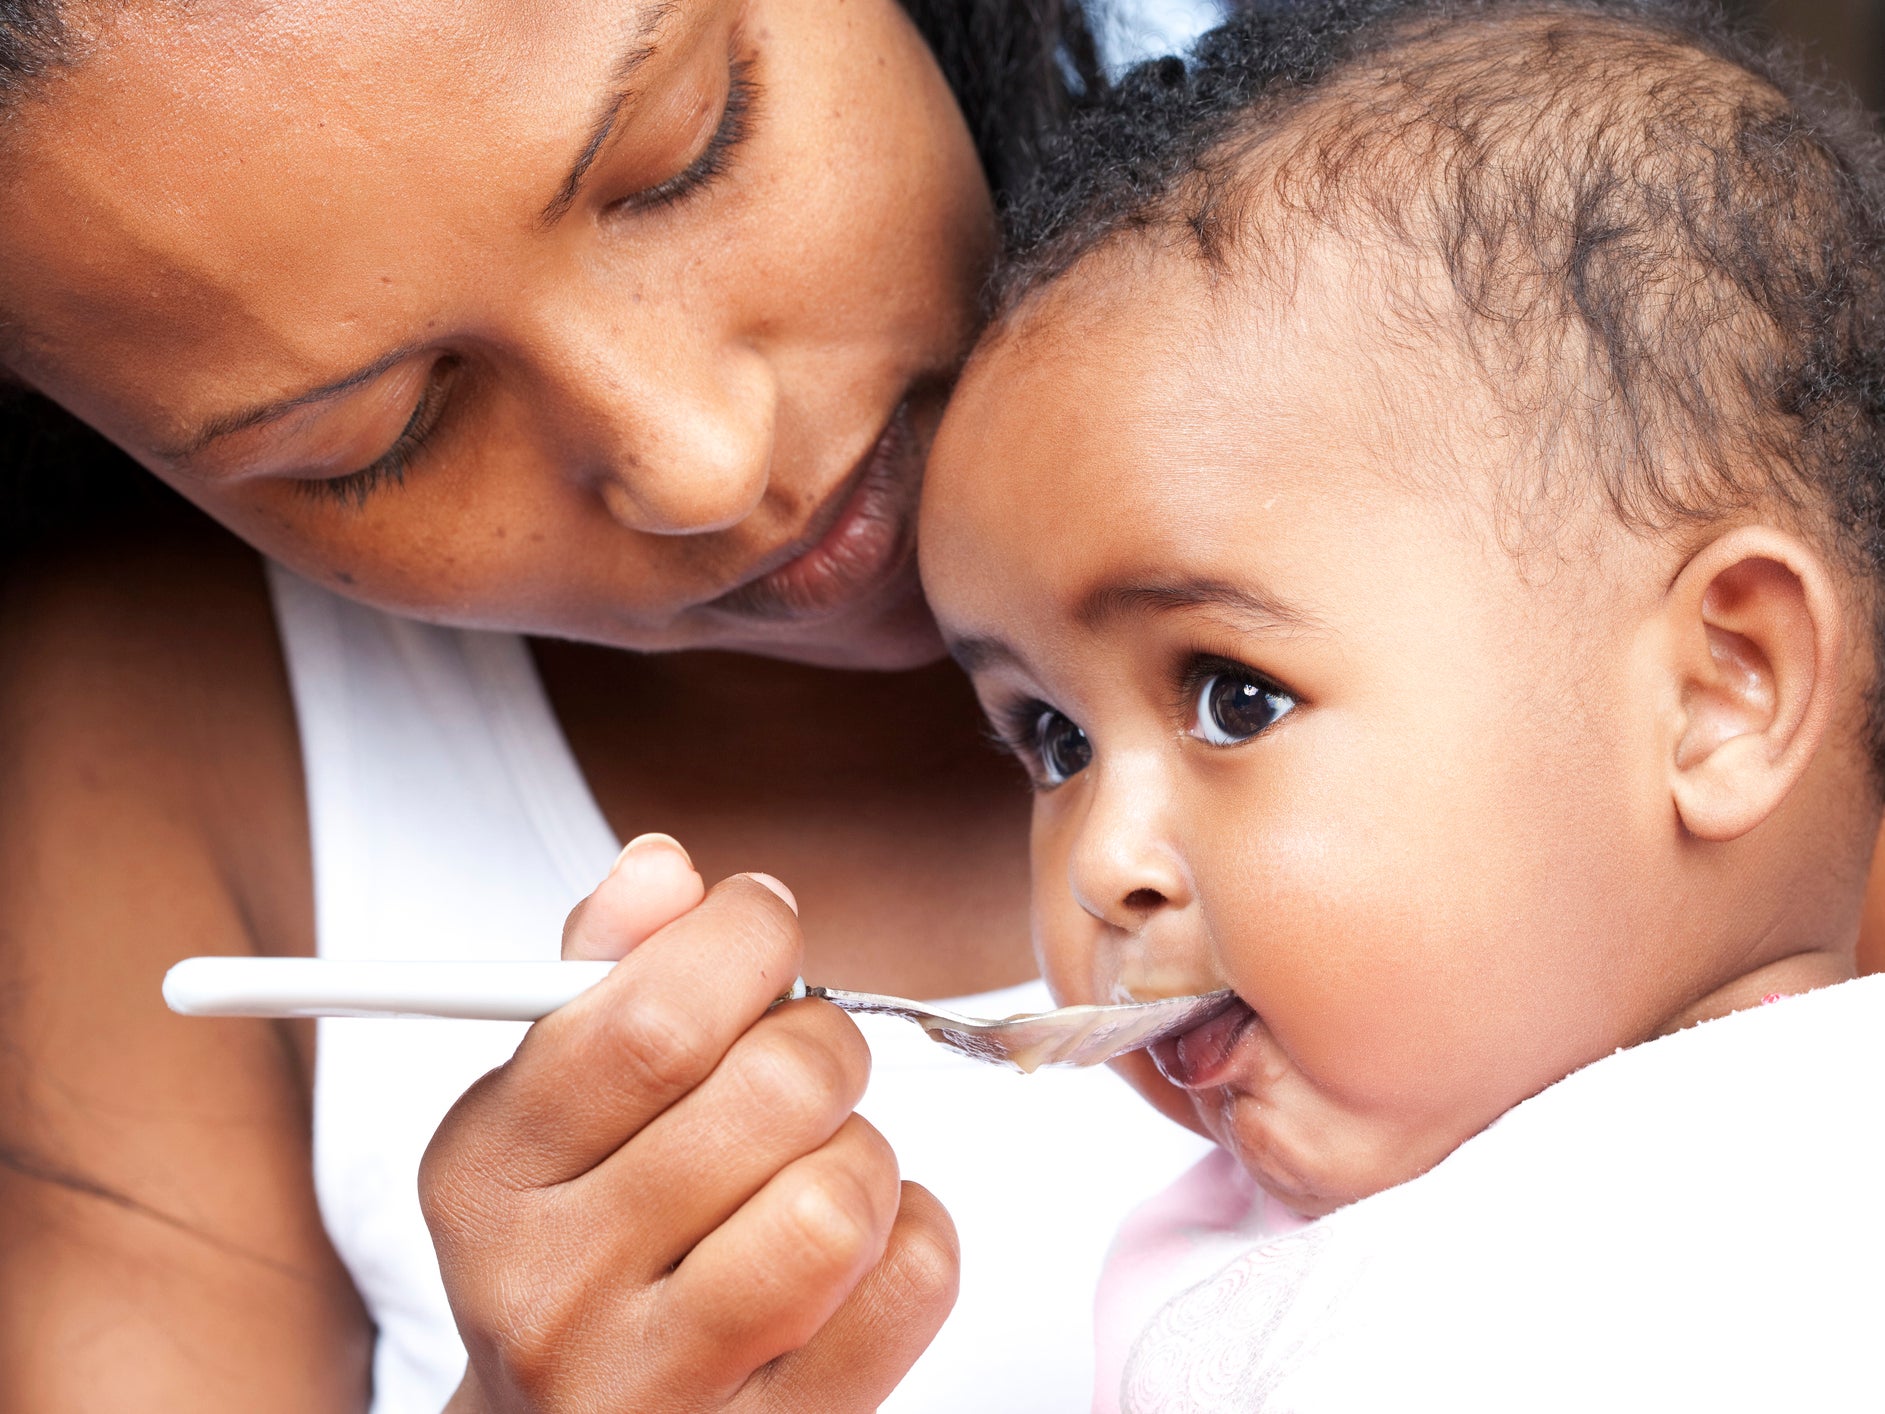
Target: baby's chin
{"type": "Point", "coordinates": [1297, 1175]}
{"type": "Point", "coordinates": [1306, 1149]}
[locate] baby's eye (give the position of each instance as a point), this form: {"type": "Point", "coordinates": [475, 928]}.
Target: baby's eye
{"type": "Point", "coordinates": [1062, 747]}
{"type": "Point", "coordinates": [1234, 704]}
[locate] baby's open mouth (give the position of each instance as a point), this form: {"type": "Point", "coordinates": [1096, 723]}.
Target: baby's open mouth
{"type": "Point", "coordinates": [1199, 1058]}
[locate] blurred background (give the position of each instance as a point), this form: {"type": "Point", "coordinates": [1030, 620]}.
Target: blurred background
{"type": "Point", "coordinates": [1847, 35]}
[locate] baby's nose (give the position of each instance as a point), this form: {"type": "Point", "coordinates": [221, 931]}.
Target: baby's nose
{"type": "Point", "coordinates": [1123, 869]}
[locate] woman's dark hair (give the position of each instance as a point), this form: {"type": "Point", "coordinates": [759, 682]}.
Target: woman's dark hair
{"type": "Point", "coordinates": [1017, 67]}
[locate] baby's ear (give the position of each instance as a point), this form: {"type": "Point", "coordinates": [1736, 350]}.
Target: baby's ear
{"type": "Point", "coordinates": [1757, 640]}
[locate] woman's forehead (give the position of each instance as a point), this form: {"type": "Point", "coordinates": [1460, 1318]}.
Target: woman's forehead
{"type": "Point", "coordinates": [272, 177]}
{"type": "Point", "coordinates": [288, 44]}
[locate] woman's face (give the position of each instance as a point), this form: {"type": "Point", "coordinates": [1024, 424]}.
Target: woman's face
{"type": "Point", "coordinates": [607, 319]}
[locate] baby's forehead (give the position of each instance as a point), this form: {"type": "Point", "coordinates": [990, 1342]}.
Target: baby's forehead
{"type": "Point", "coordinates": [1155, 342]}
{"type": "Point", "coordinates": [1152, 391]}
{"type": "Point", "coordinates": [1148, 403]}
{"type": "Point", "coordinates": [1147, 432]}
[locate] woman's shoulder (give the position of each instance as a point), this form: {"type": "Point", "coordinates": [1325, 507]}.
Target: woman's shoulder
{"type": "Point", "coordinates": [144, 706]}
{"type": "Point", "coordinates": [124, 602]}
{"type": "Point", "coordinates": [154, 1170]}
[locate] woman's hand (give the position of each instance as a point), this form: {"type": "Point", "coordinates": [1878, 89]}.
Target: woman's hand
{"type": "Point", "coordinates": [663, 1202]}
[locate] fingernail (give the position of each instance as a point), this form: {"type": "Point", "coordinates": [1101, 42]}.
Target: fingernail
{"type": "Point", "coordinates": [767, 881]}
{"type": "Point", "coordinates": [650, 841]}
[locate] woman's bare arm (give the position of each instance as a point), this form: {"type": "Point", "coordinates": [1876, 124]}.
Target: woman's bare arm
{"type": "Point", "coordinates": [160, 1247]}
{"type": "Point", "coordinates": [662, 1203]}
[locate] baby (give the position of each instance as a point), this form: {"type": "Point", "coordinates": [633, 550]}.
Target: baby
{"type": "Point", "coordinates": [1418, 516]}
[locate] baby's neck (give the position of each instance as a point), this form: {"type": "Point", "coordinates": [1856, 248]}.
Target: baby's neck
{"type": "Point", "coordinates": [1783, 978]}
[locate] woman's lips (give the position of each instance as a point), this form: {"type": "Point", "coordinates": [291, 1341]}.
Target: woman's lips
{"type": "Point", "coordinates": [858, 539]}
{"type": "Point", "coordinates": [1205, 1055]}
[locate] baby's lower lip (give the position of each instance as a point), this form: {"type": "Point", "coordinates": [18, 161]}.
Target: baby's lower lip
{"type": "Point", "coordinates": [1204, 1055]}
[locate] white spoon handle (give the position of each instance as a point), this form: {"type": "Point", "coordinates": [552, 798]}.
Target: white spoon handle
{"type": "Point", "coordinates": [323, 986]}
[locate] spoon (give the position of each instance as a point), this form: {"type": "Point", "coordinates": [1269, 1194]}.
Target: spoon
{"type": "Point", "coordinates": [527, 991]}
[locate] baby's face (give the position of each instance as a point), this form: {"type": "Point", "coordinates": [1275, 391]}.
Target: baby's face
{"type": "Point", "coordinates": [1300, 724]}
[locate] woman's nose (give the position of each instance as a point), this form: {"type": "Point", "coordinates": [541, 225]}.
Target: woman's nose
{"type": "Point", "coordinates": [675, 440]}
{"type": "Point", "coordinates": [1123, 868]}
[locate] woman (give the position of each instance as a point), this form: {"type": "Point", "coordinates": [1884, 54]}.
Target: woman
{"type": "Point", "coordinates": [620, 324]}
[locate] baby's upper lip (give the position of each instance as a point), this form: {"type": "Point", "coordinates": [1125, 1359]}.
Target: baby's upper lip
{"type": "Point", "coordinates": [1203, 1056]}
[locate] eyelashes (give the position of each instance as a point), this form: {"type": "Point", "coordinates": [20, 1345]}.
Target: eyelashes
{"type": "Point", "coordinates": [1047, 742]}
{"type": "Point", "coordinates": [1222, 702]}
{"type": "Point", "coordinates": [1011, 726]}
{"type": "Point", "coordinates": [736, 121]}
{"type": "Point", "coordinates": [353, 489]}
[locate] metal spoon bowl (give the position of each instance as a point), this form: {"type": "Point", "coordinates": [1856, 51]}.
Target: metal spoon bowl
{"type": "Point", "coordinates": [1068, 1035]}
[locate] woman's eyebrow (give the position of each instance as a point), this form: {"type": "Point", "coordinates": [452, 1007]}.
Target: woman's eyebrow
{"type": "Point", "coordinates": [641, 47]}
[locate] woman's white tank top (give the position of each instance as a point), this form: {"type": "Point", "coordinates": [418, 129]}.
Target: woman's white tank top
{"type": "Point", "coordinates": [450, 820]}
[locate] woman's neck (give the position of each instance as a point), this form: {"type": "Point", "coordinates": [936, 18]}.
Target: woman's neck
{"type": "Point", "coordinates": [875, 795]}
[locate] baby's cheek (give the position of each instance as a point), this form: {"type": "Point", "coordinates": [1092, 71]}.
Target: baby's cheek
{"type": "Point", "coordinates": [1342, 943]}
{"type": "Point", "coordinates": [1066, 945]}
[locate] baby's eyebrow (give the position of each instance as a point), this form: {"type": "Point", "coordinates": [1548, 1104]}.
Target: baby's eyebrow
{"type": "Point", "coordinates": [976, 654]}
{"type": "Point", "coordinates": [1258, 608]}
{"type": "Point", "coordinates": [1261, 609]}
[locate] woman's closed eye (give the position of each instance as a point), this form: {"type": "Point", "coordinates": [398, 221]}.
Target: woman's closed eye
{"type": "Point", "coordinates": [1230, 703]}
{"type": "Point", "coordinates": [735, 125]}
{"type": "Point", "coordinates": [389, 468]}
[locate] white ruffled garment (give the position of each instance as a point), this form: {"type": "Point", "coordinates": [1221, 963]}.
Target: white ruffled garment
{"type": "Point", "coordinates": [1693, 1223]}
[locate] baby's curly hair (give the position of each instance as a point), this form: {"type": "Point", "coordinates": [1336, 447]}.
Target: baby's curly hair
{"type": "Point", "coordinates": [1664, 242]}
